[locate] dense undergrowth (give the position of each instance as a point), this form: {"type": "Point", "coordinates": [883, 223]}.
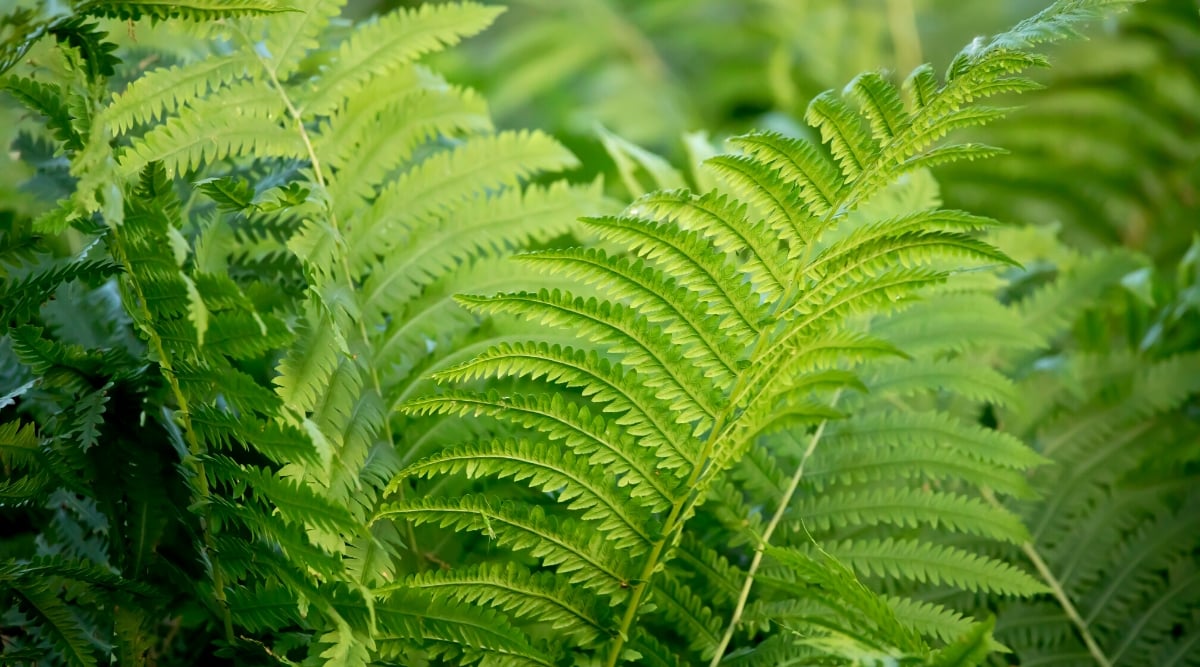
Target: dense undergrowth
{"type": "Point", "coordinates": [308, 360]}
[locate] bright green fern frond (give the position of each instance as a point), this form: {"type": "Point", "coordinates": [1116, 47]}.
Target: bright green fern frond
{"type": "Point", "coordinates": [580, 555]}
{"type": "Point", "coordinates": [723, 220]}
{"type": "Point", "coordinates": [420, 196]}
{"type": "Point", "coordinates": [681, 385]}
{"type": "Point", "coordinates": [586, 433]}
{"type": "Point", "coordinates": [691, 262]}
{"type": "Point", "coordinates": [536, 597]}
{"type": "Point", "coordinates": [162, 91]}
{"type": "Point", "coordinates": [47, 99]}
{"type": "Point", "coordinates": [543, 467]}
{"type": "Point", "coordinates": [481, 227]}
{"type": "Point", "coordinates": [194, 139]}
{"type": "Point", "coordinates": [605, 383]}
{"type": "Point", "coordinates": [686, 320]}
{"type": "Point", "coordinates": [739, 321]}
{"type": "Point", "coordinates": [378, 47]}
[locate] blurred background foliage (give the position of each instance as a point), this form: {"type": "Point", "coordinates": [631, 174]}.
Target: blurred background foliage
{"type": "Point", "coordinates": [1111, 151]}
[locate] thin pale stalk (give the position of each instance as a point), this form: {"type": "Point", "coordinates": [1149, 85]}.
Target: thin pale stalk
{"type": "Point", "coordinates": [784, 502]}
{"type": "Point", "coordinates": [1060, 594]}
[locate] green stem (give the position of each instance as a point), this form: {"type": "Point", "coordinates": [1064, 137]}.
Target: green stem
{"type": "Point", "coordinates": [681, 508]}
{"type": "Point", "coordinates": [1060, 594]}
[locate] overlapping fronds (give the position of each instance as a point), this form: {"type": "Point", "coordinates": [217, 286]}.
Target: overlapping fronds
{"type": "Point", "coordinates": [1113, 529]}
{"type": "Point", "coordinates": [335, 193]}
{"type": "Point", "coordinates": [713, 324]}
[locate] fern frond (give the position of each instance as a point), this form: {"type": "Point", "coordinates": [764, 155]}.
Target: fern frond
{"type": "Point", "coordinates": [377, 47]}
{"type": "Point", "coordinates": [264, 608]}
{"type": "Point", "coordinates": [21, 298]}
{"type": "Point", "coordinates": [680, 385]}
{"type": "Point", "coordinates": [585, 433]}
{"type": "Point", "coordinates": [566, 546]}
{"type": "Point", "coordinates": [55, 619]}
{"type": "Point", "coordinates": [687, 258]}
{"type": "Point", "coordinates": [291, 35]}
{"type": "Point", "coordinates": [724, 221]}
{"type": "Point", "coordinates": [857, 612]}
{"type": "Point", "coordinates": [929, 327]}
{"type": "Point", "coordinates": [365, 145]}
{"type": "Point", "coordinates": [932, 431]}
{"type": "Point", "coordinates": [607, 384]}
{"type": "Point", "coordinates": [164, 90]}
{"type": "Point", "coordinates": [921, 561]}
{"type": "Point", "coordinates": [686, 611]}
{"type": "Point", "coordinates": [304, 372]}
{"type": "Point", "coordinates": [192, 10]}
{"type": "Point", "coordinates": [47, 99]}
{"type": "Point", "coordinates": [909, 507]}
{"type": "Point", "coordinates": [193, 139]}
{"type": "Point", "coordinates": [453, 629]}
{"type": "Point", "coordinates": [537, 597]}
{"type": "Point", "coordinates": [683, 318]}
{"type": "Point", "coordinates": [543, 467]}
{"type": "Point", "coordinates": [969, 650]}
{"type": "Point", "coordinates": [957, 376]}
{"type": "Point", "coordinates": [479, 227]}
{"type": "Point", "coordinates": [930, 619]}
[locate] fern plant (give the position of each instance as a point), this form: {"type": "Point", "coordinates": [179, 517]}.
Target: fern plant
{"type": "Point", "coordinates": [715, 325]}
{"type": "Point", "coordinates": [1113, 530]}
{"type": "Point", "coordinates": [803, 415]}
{"type": "Point", "coordinates": [1092, 360]}
{"type": "Point", "coordinates": [287, 212]}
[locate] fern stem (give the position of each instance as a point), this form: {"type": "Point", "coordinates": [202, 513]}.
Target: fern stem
{"type": "Point", "coordinates": [347, 274]}
{"type": "Point", "coordinates": [643, 582]}
{"type": "Point", "coordinates": [784, 501]}
{"type": "Point", "coordinates": [671, 525]}
{"type": "Point", "coordinates": [1060, 594]}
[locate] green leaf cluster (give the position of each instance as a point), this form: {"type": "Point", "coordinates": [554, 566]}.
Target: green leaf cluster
{"type": "Point", "coordinates": [304, 361]}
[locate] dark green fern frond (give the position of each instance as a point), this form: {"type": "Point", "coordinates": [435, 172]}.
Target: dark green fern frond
{"type": "Point", "coordinates": [193, 10]}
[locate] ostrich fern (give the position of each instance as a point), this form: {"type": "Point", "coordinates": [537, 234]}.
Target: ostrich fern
{"type": "Point", "coordinates": [272, 379]}
{"type": "Point", "coordinates": [718, 324]}
{"type": "Point", "coordinates": [287, 212]}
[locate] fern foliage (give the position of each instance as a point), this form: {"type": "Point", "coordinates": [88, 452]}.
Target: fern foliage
{"type": "Point", "coordinates": [305, 361]}
{"type": "Point", "coordinates": [283, 238]}
{"type": "Point", "coordinates": [713, 331]}
{"type": "Point", "coordinates": [1123, 142]}
{"type": "Point", "coordinates": [1113, 528]}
